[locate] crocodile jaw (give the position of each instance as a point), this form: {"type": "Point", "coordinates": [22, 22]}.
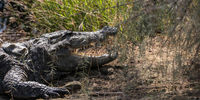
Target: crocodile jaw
{"type": "Point", "coordinates": [61, 51]}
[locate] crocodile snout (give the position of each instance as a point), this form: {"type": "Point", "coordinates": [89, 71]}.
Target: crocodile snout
{"type": "Point", "coordinates": [110, 30]}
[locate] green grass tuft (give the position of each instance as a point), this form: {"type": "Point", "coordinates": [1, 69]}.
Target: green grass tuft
{"type": "Point", "coordinates": [82, 15]}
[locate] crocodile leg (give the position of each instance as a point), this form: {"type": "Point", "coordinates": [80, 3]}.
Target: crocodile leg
{"type": "Point", "coordinates": [16, 84]}
{"type": "Point", "coordinates": [19, 88]}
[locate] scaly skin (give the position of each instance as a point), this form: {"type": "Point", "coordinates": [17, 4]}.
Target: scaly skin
{"type": "Point", "coordinates": [26, 66]}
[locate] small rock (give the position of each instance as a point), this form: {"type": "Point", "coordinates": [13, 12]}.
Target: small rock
{"type": "Point", "coordinates": [111, 70]}
{"type": "Point", "coordinates": [107, 71]}
{"type": "Point", "coordinates": [12, 19]}
{"type": "Point", "coordinates": [112, 77]}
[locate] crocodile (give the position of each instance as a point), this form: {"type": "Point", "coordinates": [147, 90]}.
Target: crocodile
{"type": "Point", "coordinates": [26, 67]}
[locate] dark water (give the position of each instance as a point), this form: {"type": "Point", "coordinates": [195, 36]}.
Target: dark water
{"type": "Point", "coordinates": [2, 4]}
{"type": "Point", "coordinates": [3, 22]}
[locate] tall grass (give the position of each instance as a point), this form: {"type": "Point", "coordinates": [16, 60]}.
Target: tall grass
{"type": "Point", "coordinates": [82, 15]}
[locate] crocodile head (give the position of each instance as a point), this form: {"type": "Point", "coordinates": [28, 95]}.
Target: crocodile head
{"type": "Point", "coordinates": [63, 42]}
